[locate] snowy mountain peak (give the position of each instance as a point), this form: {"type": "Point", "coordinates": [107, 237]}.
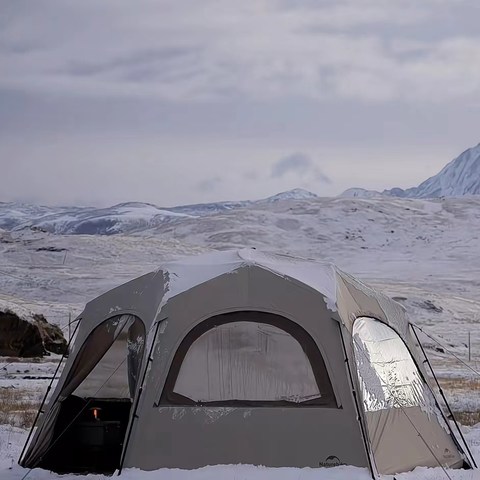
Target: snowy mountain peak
{"type": "Point", "coordinates": [460, 177]}
{"type": "Point", "coordinates": [295, 194]}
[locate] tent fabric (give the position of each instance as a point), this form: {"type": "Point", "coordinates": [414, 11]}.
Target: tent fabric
{"type": "Point", "coordinates": [285, 435]}
{"type": "Point", "coordinates": [334, 310]}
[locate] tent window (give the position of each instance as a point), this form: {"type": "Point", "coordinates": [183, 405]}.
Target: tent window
{"type": "Point", "coordinates": [387, 373]}
{"type": "Point", "coordinates": [249, 358]}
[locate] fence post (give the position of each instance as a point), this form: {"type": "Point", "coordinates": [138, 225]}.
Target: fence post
{"type": "Point", "coordinates": [469, 349]}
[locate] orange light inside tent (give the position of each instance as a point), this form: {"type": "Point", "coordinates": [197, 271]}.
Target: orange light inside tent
{"type": "Point", "coordinates": [95, 413]}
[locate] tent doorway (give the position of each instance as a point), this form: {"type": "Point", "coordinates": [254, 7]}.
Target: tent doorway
{"type": "Point", "coordinates": [92, 420]}
{"type": "Point", "coordinates": [405, 425]}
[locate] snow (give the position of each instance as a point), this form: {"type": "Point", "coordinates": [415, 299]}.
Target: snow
{"type": "Point", "coordinates": [12, 440]}
{"type": "Point", "coordinates": [119, 218]}
{"type": "Point", "coordinates": [125, 217]}
{"type": "Point", "coordinates": [15, 307]}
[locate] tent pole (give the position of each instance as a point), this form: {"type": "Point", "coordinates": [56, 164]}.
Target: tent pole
{"type": "Point", "coordinates": [356, 402]}
{"type": "Point", "coordinates": [39, 411]}
{"type": "Point", "coordinates": [444, 399]}
{"type": "Point", "coordinates": [137, 400]}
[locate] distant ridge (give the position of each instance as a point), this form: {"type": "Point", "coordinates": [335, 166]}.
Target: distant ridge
{"type": "Point", "coordinates": [128, 217]}
{"type": "Point", "coordinates": [360, 193]}
{"type": "Point", "coordinates": [458, 178]}
{"type": "Point", "coordinates": [295, 194]}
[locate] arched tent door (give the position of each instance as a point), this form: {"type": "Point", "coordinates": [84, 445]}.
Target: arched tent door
{"type": "Point", "coordinates": [84, 427]}
{"type": "Point", "coordinates": [405, 427]}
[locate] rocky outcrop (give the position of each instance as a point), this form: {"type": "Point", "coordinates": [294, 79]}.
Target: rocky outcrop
{"type": "Point", "coordinates": [52, 335]}
{"type": "Point", "coordinates": [29, 337]}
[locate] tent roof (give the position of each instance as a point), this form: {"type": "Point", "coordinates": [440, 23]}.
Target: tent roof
{"type": "Point", "coordinates": [184, 274]}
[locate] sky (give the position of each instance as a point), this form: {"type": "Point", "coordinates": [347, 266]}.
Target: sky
{"type": "Point", "coordinates": [186, 101]}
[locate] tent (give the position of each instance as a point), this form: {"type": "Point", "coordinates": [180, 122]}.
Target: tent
{"type": "Point", "coordinates": [244, 357]}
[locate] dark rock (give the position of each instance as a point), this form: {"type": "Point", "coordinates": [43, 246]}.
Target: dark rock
{"type": "Point", "coordinates": [20, 337]}
{"type": "Point", "coordinates": [51, 249]}
{"type": "Point", "coordinates": [429, 305]}
{"type": "Point", "coordinates": [52, 335]}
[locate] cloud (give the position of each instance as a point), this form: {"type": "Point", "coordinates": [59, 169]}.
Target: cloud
{"type": "Point", "coordinates": [204, 51]}
{"type": "Point", "coordinates": [154, 99]}
{"type": "Point", "coordinates": [300, 165]}
{"type": "Point", "coordinates": [209, 184]}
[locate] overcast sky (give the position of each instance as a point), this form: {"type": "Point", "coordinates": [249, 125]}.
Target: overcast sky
{"type": "Point", "coordinates": [182, 101]}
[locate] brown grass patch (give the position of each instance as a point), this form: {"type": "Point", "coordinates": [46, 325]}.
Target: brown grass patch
{"type": "Point", "coordinates": [10, 360]}
{"type": "Point", "coordinates": [462, 386]}
{"type": "Point", "coordinates": [467, 418]}
{"type": "Point", "coordinates": [17, 407]}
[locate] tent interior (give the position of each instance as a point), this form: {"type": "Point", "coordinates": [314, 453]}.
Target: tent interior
{"type": "Point", "coordinates": [87, 443]}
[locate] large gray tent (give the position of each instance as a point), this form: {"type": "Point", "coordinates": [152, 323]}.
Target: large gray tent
{"type": "Point", "coordinates": [244, 357]}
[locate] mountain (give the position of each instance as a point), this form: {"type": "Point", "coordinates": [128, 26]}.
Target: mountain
{"type": "Point", "coordinates": [128, 217]}
{"type": "Point", "coordinates": [202, 209]}
{"type": "Point", "coordinates": [13, 215]}
{"type": "Point", "coordinates": [122, 218]}
{"type": "Point", "coordinates": [359, 193]}
{"type": "Point", "coordinates": [460, 177]}
{"type": "Point", "coordinates": [295, 194]}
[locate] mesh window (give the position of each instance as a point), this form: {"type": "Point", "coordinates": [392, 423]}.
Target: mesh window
{"type": "Point", "coordinates": [115, 374]}
{"type": "Point", "coordinates": [388, 375]}
{"type": "Point", "coordinates": [248, 361]}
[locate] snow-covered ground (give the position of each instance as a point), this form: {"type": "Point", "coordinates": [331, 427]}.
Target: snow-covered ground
{"type": "Point", "coordinates": [12, 440]}
{"type": "Point", "coordinates": [425, 254]}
